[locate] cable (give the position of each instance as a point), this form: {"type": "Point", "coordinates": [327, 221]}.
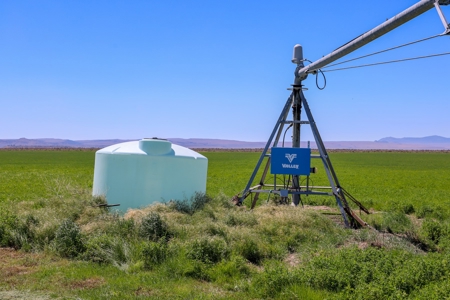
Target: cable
{"type": "Point", "coordinates": [388, 62]}
{"type": "Point", "coordinates": [284, 136]}
{"type": "Point", "coordinates": [324, 79]}
{"type": "Point", "coordinates": [382, 51]}
{"type": "Point", "coordinates": [317, 77]}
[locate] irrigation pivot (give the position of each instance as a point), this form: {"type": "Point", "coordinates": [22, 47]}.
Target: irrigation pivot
{"type": "Point", "coordinates": [294, 162]}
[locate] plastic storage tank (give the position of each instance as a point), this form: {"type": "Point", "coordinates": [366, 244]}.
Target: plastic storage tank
{"type": "Point", "coordinates": [139, 173]}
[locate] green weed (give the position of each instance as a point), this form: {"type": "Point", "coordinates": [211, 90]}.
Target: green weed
{"type": "Point", "coordinates": [106, 249]}
{"type": "Point", "coordinates": [272, 281]}
{"type": "Point", "coordinates": [195, 203]}
{"type": "Point", "coordinates": [208, 250]}
{"type": "Point", "coordinates": [155, 253]}
{"type": "Point", "coordinates": [68, 240]}
{"type": "Point", "coordinates": [250, 250]}
{"type": "Point", "coordinates": [153, 228]}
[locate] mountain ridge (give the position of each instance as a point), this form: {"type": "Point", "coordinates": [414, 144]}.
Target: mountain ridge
{"type": "Point", "coordinates": [432, 139]}
{"type": "Point", "coordinates": [389, 143]}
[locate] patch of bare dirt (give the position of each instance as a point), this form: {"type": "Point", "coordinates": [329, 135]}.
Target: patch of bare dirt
{"type": "Point", "coordinates": [10, 253]}
{"type": "Point", "coordinates": [19, 295]}
{"type": "Point", "coordinates": [14, 270]}
{"type": "Point", "coordinates": [292, 260]}
{"type": "Point", "coordinates": [15, 263]}
{"type": "Point", "coordinates": [320, 208]}
{"type": "Point", "coordinates": [365, 245]}
{"type": "Point", "coordinates": [88, 283]}
{"type": "Point", "coordinates": [15, 267]}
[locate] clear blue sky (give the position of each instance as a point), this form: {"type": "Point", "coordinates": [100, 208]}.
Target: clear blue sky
{"type": "Point", "coordinates": [211, 69]}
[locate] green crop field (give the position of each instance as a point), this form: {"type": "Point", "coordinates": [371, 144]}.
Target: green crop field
{"type": "Point", "coordinates": [56, 244]}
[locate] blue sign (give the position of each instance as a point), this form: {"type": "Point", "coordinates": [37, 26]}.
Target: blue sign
{"type": "Point", "coordinates": [293, 161]}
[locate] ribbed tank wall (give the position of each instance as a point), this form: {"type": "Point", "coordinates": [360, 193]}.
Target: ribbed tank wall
{"type": "Point", "coordinates": [127, 175]}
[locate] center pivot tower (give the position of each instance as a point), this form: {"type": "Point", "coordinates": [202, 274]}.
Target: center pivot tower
{"type": "Point", "coordinates": [293, 188]}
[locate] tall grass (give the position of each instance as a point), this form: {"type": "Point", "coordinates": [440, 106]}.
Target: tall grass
{"type": "Point", "coordinates": [270, 252]}
{"type": "Point", "coordinates": [208, 248]}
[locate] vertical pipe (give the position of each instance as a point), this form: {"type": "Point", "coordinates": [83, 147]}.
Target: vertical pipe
{"type": "Point", "coordinates": [296, 112]}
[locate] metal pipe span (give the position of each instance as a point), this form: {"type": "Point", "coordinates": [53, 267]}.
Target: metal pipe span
{"type": "Point", "coordinates": [394, 22]}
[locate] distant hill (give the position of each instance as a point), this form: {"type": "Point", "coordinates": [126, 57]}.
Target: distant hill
{"type": "Point", "coordinates": [389, 143]}
{"type": "Point", "coordinates": [216, 143]}
{"type": "Point", "coordinates": [434, 139]}
{"type": "Point", "coordinates": [56, 143]}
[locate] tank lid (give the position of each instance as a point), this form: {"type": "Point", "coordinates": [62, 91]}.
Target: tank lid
{"type": "Point", "coordinates": [155, 146]}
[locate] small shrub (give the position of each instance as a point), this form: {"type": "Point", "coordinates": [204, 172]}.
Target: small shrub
{"type": "Point", "coordinates": [107, 249]}
{"type": "Point", "coordinates": [396, 222]}
{"type": "Point", "coordinates": [432, 230]}
{"type": "Point", "coordinates": [30, 220]}
{"type": "Point", "coordinates": [272, 280]}
{"type": "Point", "coordinates": [230, 271]}
{"type": "Point", "coordinates": [44, 235]}
{"type": "Point", "coordinates": [250, 250]}
{"type": "Point", "coordinates": [213, 229]}
{"type": "Point", "coordinates": [68, 240]}
{"type": "Point", "coordinates": [195, 203]}
{"type": "Point", "coordinates": [176, 263]}
{"type": "Point", "coordinates": [182, 206]}
{"type": "Point", "coordinates": [241, 219]}
{"type": "Point", "coordinates": [408, 209]}
{"type": "Point", "coordinates": [99, 249]}
{"type": "Point", "coordinates": [224, 201]}
{"type": "Point", "coordinates": [392, 222]}
{"type": "Point", "coordinates": [231, 220]}
{"type": "Point", "coordinates": [153, 227]}
{"type": "Point", "coordinates": [424, 211]}
{"type": "Point", "coordinates": [208, 250]}
{"type": "Point", "coordinates": [7, 223]}
{"type": "Point", "coordinates": [294, 240]}
{"type": "Point", "coordinates": [3, 235]}
{"type": "Point", "coordinates": [198, 201]}
{"type": "Point", "coordinates": [17, 233]}
{"type": "Point", "coordinates": [154, 253]}
{"type": "Point", "coordinates": [375, 220]}
{"type": "Point", "coordinates": [435, 211]}
{"type": "Point", "coordinates": [123, 228]}
{"type": "Point", "coordinates": [209, 213]}
{"type": "Point", "coordinates": [197, 270]}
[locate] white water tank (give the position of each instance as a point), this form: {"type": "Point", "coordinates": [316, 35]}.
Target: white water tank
{"type": "Point", "coordinates": [139, 173]}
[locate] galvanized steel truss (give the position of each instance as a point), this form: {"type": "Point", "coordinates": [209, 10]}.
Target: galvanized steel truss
{"type": "Point", "coordinates": [297, 101]}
